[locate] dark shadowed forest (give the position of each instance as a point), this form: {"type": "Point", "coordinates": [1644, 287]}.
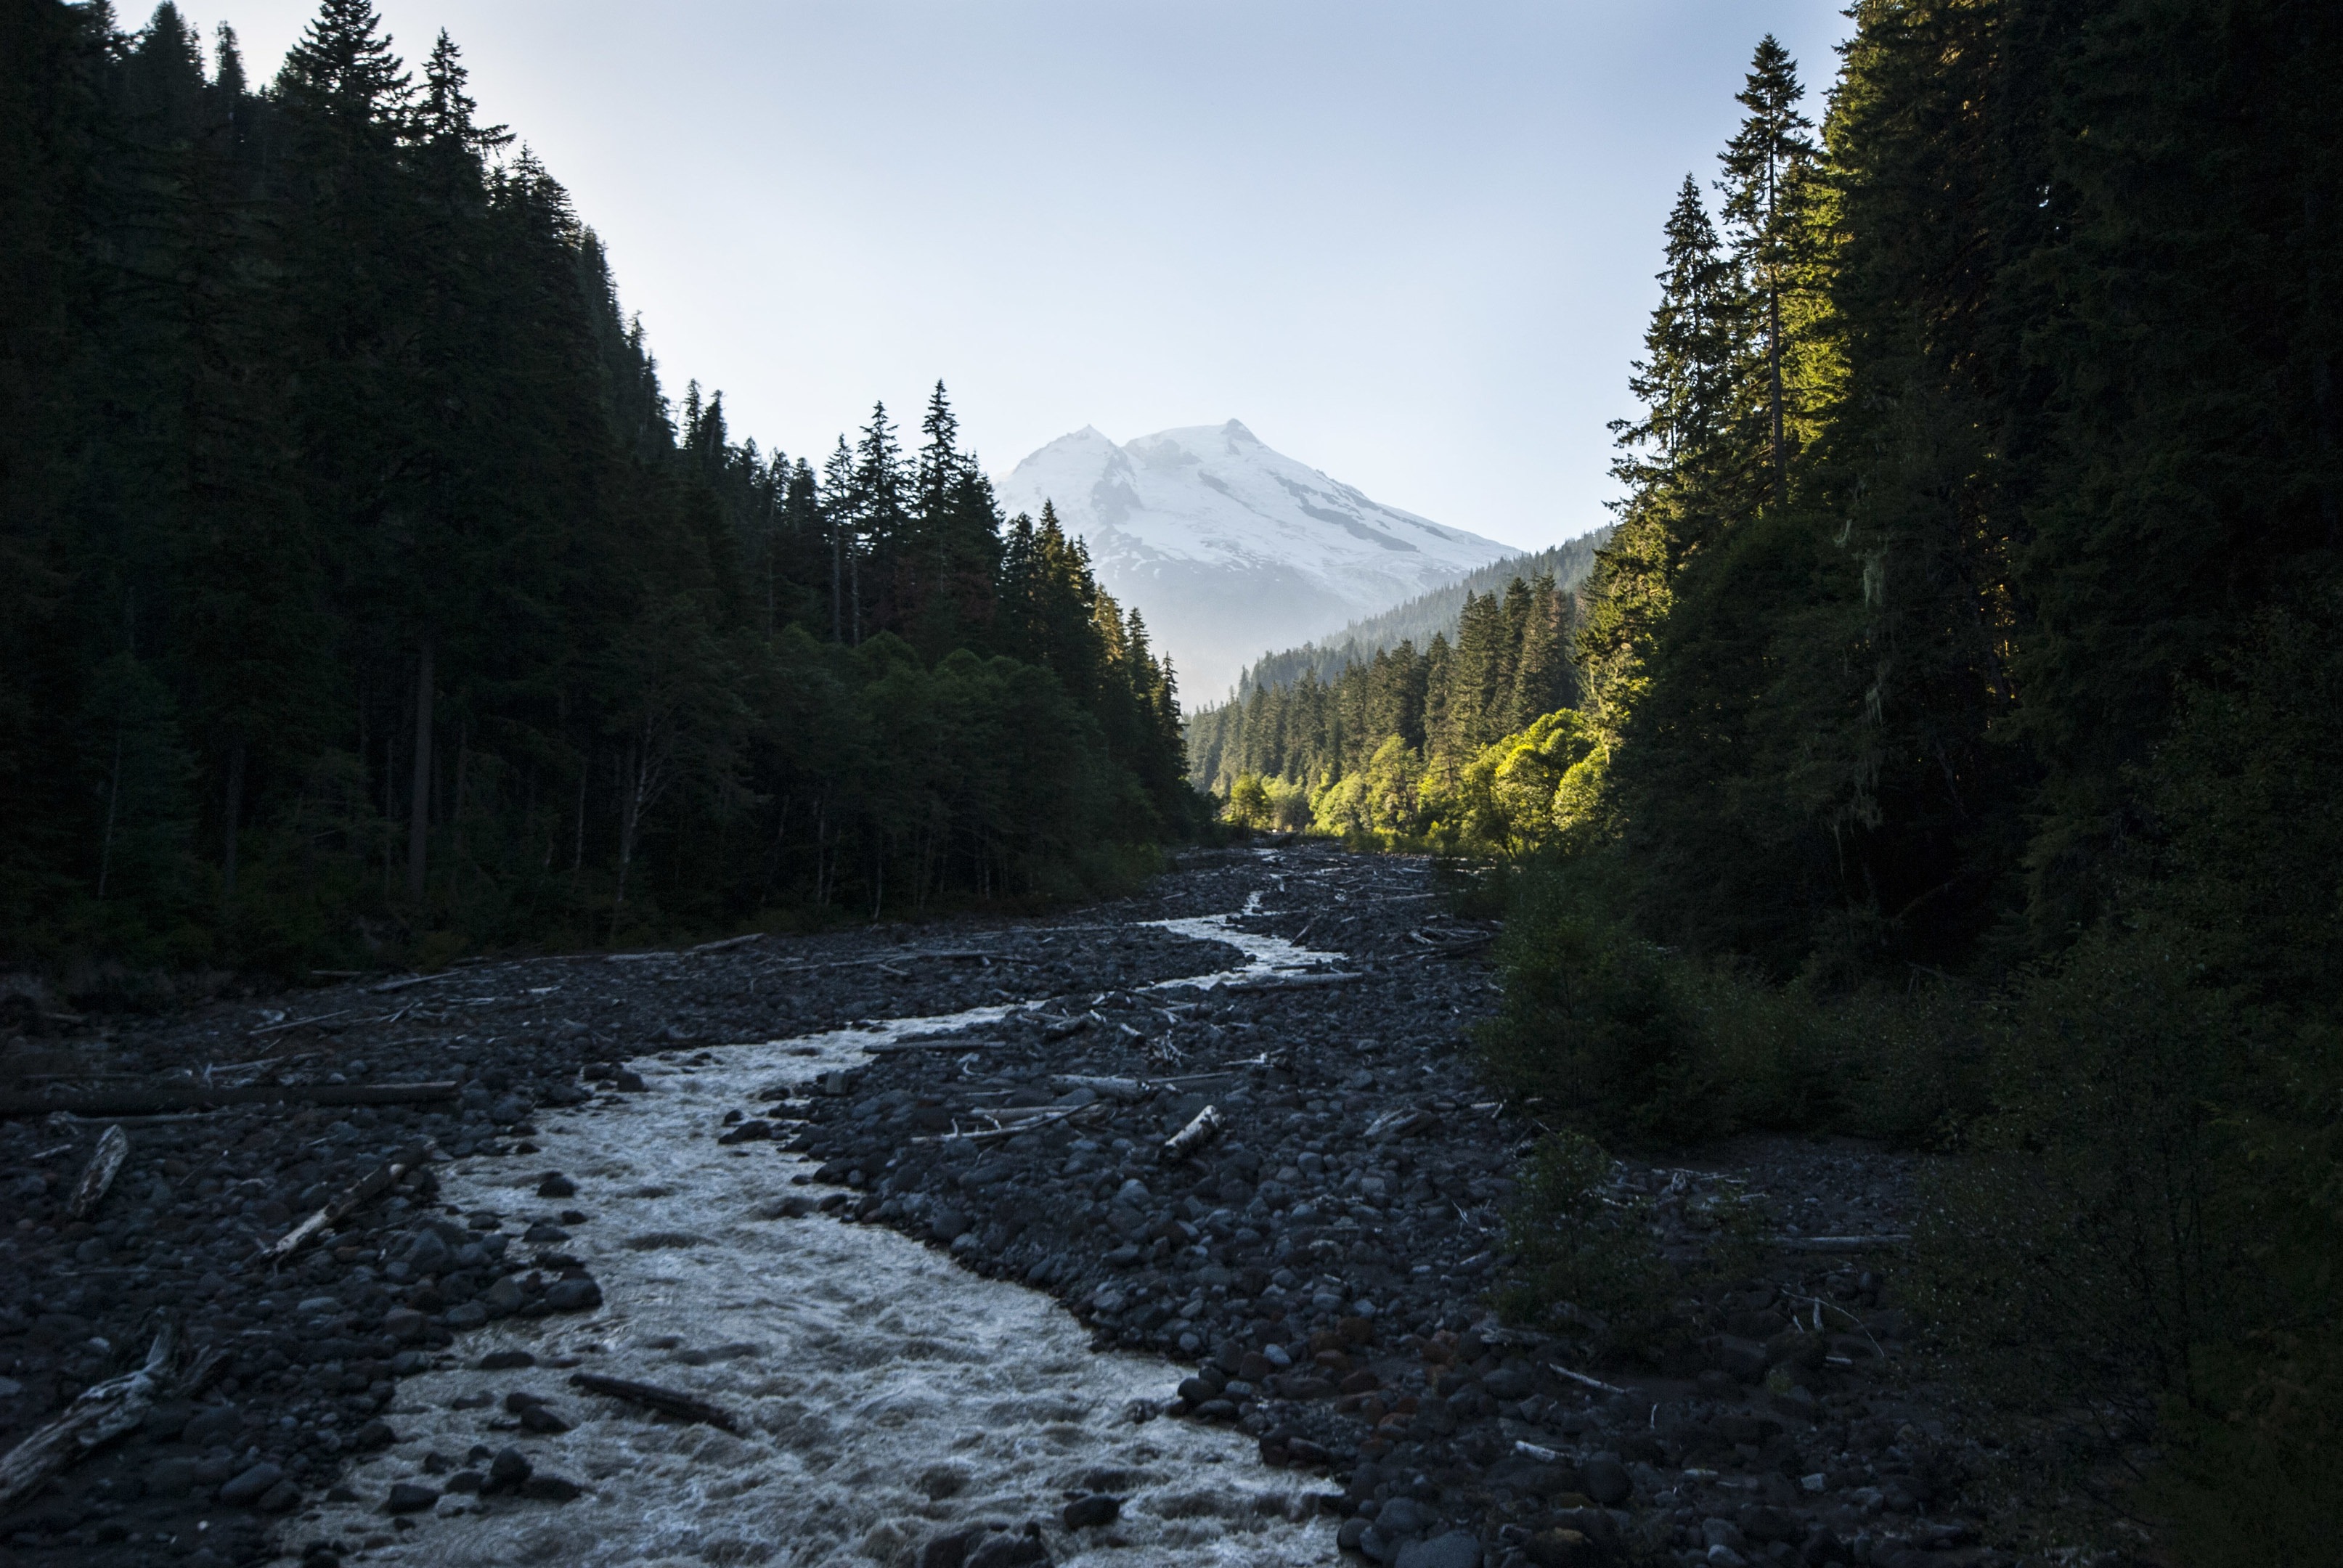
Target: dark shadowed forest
{"type": "Point", "coordinates": [364, 597]}
{"type": "Point", "coordinates": [1956, 718]}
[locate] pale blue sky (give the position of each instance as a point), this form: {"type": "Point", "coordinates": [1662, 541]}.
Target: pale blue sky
{"type": "Point", "coordinates": [1410, 244]}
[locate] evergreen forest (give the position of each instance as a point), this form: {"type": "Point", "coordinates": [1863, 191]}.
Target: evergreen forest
{"type": "Point", "coordinates": [1419, 620]}
{"type": "Point", "coordinates": [365, 597]}
{"type": "Point", "coordinates": [1958, 708]}
{"type": "Point", "coordinates": [1402, 745]}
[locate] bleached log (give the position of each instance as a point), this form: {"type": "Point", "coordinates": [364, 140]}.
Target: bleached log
{"type": "Point", "coordinates": [402, 983]}
{"type": "Point", "coordinates": [101, 1413]}
{"type": "Point", "coordinates": [372, 1185]}
{"type": "Point", "coordinates": [1580, 1377]}
{"type": "Point", "coordinates": [1294, 982]}
{"type": "Point", "coordinates": [1126, 1089]}
{"type": "Point", "coordinates": [727, 944]}
{"type": "Point", "coordinates": [1195, 1138]}
{"type": "Point", "coordinates": [1838, 1243]}
{"type": "Point", "coordinates": [97, 1176]}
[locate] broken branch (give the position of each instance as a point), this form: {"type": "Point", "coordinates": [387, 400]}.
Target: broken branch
{"type": "Point", "coordinates": [103, 1411]}
{"type": "Point", "coordinates": [97, 1176]}
{"type": "Point", "coordinates": [1195, 1137]}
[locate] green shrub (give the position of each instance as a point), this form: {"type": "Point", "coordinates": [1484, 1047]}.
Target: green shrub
{"type": "Point", "coordinates": [1634, 1040]}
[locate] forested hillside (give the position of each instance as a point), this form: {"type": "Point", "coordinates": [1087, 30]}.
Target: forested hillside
{"type": "Point", "coordinates": [1386, 747]}
{"type": "Point", "coordinates": [1439, 613]}
{"type": "Point", "coordinates": [363, 595]}
{"type": "Point", "coordinates": [1963, 691]}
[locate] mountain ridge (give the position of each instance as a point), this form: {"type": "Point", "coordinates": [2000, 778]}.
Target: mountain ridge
{"type": "Point", "coordinates": [1226, 544]}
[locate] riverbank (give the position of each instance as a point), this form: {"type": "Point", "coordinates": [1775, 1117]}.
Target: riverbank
{"type": "Point", "coordinates": [1298, 1309]}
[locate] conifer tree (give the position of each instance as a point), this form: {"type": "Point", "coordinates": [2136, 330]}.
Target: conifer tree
{"type": "Point", "coordinates": [1770, 188]}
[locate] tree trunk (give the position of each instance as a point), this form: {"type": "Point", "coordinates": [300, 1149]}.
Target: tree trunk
{"type": "Point", "coordinates": [577, 851]}
{"type": "Point", "coordinates": [418, 808]}
{"type": "Point", "coordinates": [113, 799]}
{"type": "Point", "coordinates": [1773, 358]}
{"type": "Point", "coordinates": [232, 814]}
{"type": "Point", "coordinates": [630, 806]}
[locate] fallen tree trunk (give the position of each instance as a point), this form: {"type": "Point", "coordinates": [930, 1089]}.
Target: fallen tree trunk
{"type": "Point", "coordinates": [405, 982]}
{"type": "Point", "coordinates": [103, 1411]}
{"type": "Point", "coordinates": [97, 1176]}
{"type": "Point", "coordinates": [1294, 982]}
{"type": "Point", "coordinates": [1838, 1243]}
{"type": "Point", "coordinates": [135, 1098]}
{"type": "Point", "coordinates": [372, 1185]}
{"type": "Point", "coordinates": [941, 1042]}
{"type": "Point", "coordinates": [668, 1401]}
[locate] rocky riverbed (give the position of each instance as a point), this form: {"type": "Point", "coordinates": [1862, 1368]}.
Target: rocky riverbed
{"type": "Point", "coordinates": [894, 1209]}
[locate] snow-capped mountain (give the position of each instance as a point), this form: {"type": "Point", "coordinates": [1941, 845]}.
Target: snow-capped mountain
{"type": "Point", "coordinates": [1229, 548]}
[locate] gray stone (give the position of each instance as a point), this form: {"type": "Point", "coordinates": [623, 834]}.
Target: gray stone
{"type": "Point", "coordinates": [508, 1471]}
{"type": "Point", "coordinates": [213, 1425]}
{"type": "Point", "coordinates": [171, 1477]}
{"type": "Point", "coordinates": [1085, 1512]}
{"type": "Point", "coordinates": [1760, 1521]}
{"type": "Point", "coordinates": [249, 1484]}
{"type": "Point", "coordinates": [573, 1295]}
{"type": "Point", "coordinates": [1742, 1359]}
{"type": "Point", "coordinates": [502, 1299]}
{"type": "Point", "coordinates": [409, 1497]}
{"type": "Point", "coordinates": [1405, 1516]}
{"type": "Point", "coordinates": [1606, 1479]}
{"type": "Point", "coordinates": [1508, 1383]}
{"type": "Point", "coordinates": [1007, 1550]}
{"type": "Point", "coordinates": [1453, 1550]}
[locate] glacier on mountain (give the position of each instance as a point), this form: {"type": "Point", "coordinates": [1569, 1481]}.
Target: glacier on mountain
{"type": "Point", "coordinates": [1229, 549]}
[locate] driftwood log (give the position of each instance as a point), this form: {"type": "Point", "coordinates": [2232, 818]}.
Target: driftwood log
{"type": "Point", "coordinates": [103, 1411]}
{"type": "Point", "coordinates": [1293, 981]}
{"type": "Point", "coordinates": [939, 1042]}
{"type": "Point", "coordinates": [405, 982]}
{"type": "Point", "coordinates": [1838, 1243]}
{"type": "Point", "coordinates": [668, 1401]}
{"type": "Point", "coordinates": [140, 1099]}
{"type": "Point", "coordinates": [1195, 1137]}
{"type": "Point", "coordinates": [97, 1176]}
{"type": "Point", "coordinates": [372, 1185]}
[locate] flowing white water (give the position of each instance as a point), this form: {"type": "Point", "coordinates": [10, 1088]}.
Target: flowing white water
{"type": "Point", "coordinates": [885, 1395]}
{"type": "Point", "coordinates": [1264, 955]}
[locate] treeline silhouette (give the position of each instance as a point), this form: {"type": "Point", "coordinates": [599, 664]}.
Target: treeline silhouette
{"type": "Point", "coordinates": [363, 596]}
